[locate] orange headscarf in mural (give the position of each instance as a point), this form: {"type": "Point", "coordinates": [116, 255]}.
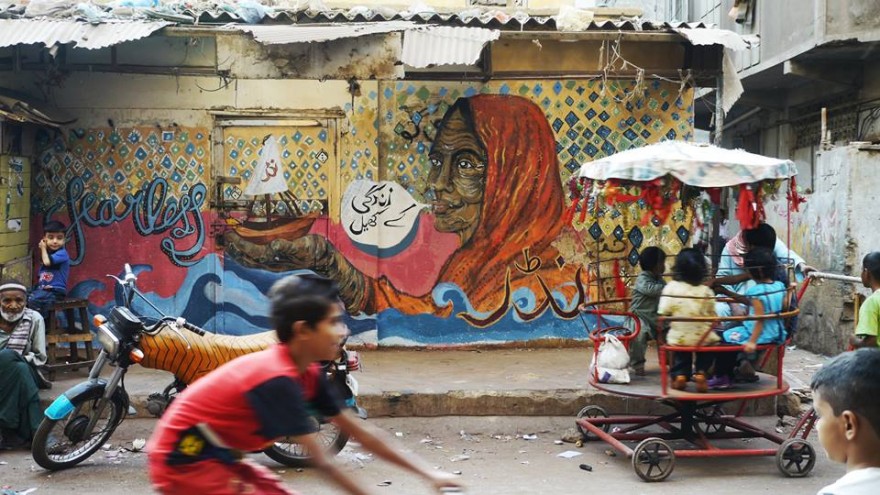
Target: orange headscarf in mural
{"type": "Point", "coordinates": [521, 213]}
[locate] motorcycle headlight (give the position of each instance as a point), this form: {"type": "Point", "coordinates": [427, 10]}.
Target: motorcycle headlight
{"type": "Point", "coordinates": [108, 340]}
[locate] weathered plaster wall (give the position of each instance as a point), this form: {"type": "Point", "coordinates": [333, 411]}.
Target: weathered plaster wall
{"type": "Point", "coordinates": [365, 57]}
{"type": "Point", "coordinates": [835, 228]}
{"type": "Point", "coordinates": [850, 18]}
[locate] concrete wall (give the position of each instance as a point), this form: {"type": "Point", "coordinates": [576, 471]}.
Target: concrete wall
{"type": "Point", "coordinates": [833, 231]}
{"type": "Point", "coordinates": [851, 18]}
{"type": "Point", "coordinates": [784, 24]}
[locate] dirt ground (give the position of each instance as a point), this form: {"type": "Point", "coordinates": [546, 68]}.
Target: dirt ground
{"type": "Point", "coordinates": [494, 455]}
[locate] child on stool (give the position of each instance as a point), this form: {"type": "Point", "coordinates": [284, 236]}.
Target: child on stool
{"type": "Point", "coordinates": [645, 298]}
{"type": "Point", "coordinates": [766, 296]}
{"type": "Point", "coordinates": [54, 269]}
{"type": "Point", "coordinates": [846, 396]}
{"type": "Point", "coordinates": [687, 296]}
{"type": "Point", "coordinates": [869, 312]}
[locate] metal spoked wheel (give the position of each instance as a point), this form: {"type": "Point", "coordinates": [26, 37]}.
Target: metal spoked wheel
{"type": "Point", "coordinates": [796, 457]}
{"type": "Point", "coordinates": [60, 444]}
{"type": "Point", "coordinates": [592, 412]}
{"type": "Point", "coordinates": [653, 459]}
{"type": "Point", "coordinates": [708, 420]}
{"type": "Point", "coordinates": [292, 454]}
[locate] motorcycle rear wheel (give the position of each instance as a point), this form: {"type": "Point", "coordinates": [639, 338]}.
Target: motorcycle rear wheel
{"type": "Point", "coordinates": [293, 454]}
{"type": "Point", "coordinates": [61, 444]}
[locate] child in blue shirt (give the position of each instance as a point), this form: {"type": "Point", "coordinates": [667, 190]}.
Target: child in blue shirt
{"type": "Point", "coordinates": [766, 296]}
{"type": "Point", "coordinates": [54, 268]}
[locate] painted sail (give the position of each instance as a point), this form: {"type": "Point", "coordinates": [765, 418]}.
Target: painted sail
{"type": "Point", "coordinates": [268, 175]}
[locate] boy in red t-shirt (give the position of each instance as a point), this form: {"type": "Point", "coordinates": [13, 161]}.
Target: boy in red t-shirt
{"type": "Point", "coordinates": [248, 403]}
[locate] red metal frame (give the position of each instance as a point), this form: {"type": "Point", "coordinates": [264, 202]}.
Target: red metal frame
{"type": "Point", "coordinates": [683, 424]}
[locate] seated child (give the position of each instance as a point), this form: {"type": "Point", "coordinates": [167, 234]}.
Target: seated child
{"type": "Point", "coordinates": [54, 268]}
{"type": "Point", "coordinates": [687, 296]}
{"type": "Point", "coordinates": [869, 312]}
{"type": "Point", "coordinates": [765, 296]}
{"type": "Point", "coordinates": [645, 298]}
{"type": "Point", "coordinates": [846, 396]}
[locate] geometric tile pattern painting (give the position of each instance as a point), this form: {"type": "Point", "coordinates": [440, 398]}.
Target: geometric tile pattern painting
{"type": "Point", "coordinates": [358, 147]}
{"type": "Point", "coordinates": [307, 156]}
{"type": "Point", "coordinates": [113, 162]}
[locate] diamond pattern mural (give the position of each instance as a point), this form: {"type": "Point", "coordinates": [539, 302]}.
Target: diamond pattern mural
{"type": "Point", "coordinates": [114, 162]}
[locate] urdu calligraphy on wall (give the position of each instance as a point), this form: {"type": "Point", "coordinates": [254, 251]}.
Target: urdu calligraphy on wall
{"type": "Point", "coordinates": [380, 218]}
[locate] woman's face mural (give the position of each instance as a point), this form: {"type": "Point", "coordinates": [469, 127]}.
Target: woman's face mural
{"type": "Point", "coordinates": [457, 179]}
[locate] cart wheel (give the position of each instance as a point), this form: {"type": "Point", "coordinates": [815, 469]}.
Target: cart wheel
{"type": "Point", "coordinates": [708, 422]}
{"type": "Point", "coordinates": [796, 457]}
{"type": "Point", "coordinates": [653, 459]}
{"type": "Point", "coordinates": [592, 412]}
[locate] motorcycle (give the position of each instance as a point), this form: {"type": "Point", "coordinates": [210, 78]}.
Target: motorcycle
{"type": "Point", "coordinates": [83, 418]}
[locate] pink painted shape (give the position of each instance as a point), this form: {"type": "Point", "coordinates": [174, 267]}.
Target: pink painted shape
{"type": "Point", "coordinates": [109, 248]}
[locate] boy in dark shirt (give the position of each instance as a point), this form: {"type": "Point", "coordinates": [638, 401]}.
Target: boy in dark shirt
{"type": "Point", "coordinates": [54, 268]}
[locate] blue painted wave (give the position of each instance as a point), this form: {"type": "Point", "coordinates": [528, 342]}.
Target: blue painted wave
{"type": "Point", "coordinates": [234, 303]}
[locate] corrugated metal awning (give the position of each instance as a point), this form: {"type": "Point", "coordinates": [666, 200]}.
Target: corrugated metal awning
{"type": "Point", "coordinates": [82, 34]}
{"type": "Point", "coordinates": [308, 33]}
{"type": "Point", "coordinates": [445, 45]}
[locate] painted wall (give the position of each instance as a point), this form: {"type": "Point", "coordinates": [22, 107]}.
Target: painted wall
{"type": "Point", "coordinates": [437, 206]}
{"type": "Point", "coordinates": [835, 229]}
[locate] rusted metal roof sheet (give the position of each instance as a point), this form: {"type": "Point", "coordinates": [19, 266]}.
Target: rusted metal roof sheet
{"type": "Point", "coordinates": [445, 45]}
{"type": "Point", "coordinates": [52, 32]}
{"type": "Point", "coordinates": [277, 34]}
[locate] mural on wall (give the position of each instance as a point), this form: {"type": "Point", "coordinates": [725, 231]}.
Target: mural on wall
{"type": "Point", "coordinates": [439, 208]}
{"type": "Point", "coordinates": [505, 226]}
{"type": "Point", "coordinates": [130, 195]}
{"type": "Point", "coordinates": [466, 240]}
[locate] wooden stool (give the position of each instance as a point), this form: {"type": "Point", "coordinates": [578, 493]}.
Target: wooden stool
{"type": "Point", "coordinates": [55, 335]}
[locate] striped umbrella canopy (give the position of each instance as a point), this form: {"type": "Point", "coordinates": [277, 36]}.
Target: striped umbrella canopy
{"type": "Point", "coordinates": [699, 165]}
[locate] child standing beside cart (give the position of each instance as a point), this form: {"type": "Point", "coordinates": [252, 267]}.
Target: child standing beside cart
{"type": "Point", "coordinates": [869, 313]}
{"type": "Point", "coordinates": [645, 299]}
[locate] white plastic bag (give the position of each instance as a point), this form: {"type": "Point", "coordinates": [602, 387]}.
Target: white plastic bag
{"type": "Point", "coordinates": [608, 375]}
{"type": "Point", "coordinates": [612, 354]}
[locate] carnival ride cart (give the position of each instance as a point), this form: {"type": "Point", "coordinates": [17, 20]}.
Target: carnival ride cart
{"type": "Point", "coordinates": [697, 425]}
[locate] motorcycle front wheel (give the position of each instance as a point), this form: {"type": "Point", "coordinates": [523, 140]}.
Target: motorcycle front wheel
{"type": "Point", "coordinates": [60, 444]}
{"type": "Point", "coordinates": [292, 454]}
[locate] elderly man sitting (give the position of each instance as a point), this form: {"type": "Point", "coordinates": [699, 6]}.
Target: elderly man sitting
{"type": "Point", "coordinates": [22, 349]}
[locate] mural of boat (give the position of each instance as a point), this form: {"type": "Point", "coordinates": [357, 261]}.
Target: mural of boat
{"type": "Point", "coordinates": [268, 181]}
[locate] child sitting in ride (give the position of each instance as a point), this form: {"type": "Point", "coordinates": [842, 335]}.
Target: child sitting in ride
{"type": "Point", "coordinates": [683, 297]}
{"type": "Point", "coordinates": [764, 295]}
